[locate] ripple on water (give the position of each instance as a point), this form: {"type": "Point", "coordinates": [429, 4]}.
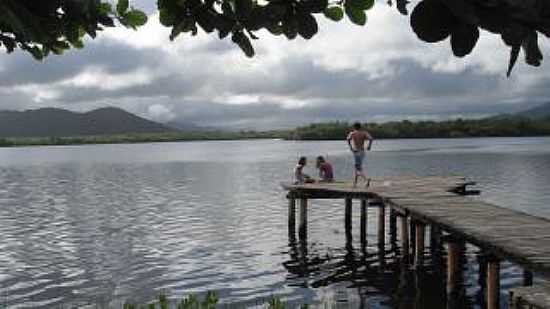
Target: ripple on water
{"type": "Point", "coordinates": [86, 232]}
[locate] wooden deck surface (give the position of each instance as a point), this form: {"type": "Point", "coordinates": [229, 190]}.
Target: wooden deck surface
{"type": "Point", "coordinates": [505, 233]}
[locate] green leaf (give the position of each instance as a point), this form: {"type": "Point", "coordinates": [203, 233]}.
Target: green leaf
{"type": "Point", "coordinates": [307, 26]}
{"type": "Point", "coordinates": [16, 15]}
{"type": "Point", "coordinates": [290, 28]}
{"type": "Point", "coordinates": [514, 53]}
{"type": "Point", "coordinates": [313, 6]}
{"type": "Point", "coordinates": [78, 44]}
{"type": "Point", "coordinates": [36, 52]}
{"type": "Point", "coordinates": [135, 18]}
{"type": "Point", "coordinates": [9, 44]}
{"type": "Point", "coordinates": [463, 39]}
{"type": "Point", "coordinates": [167, 17]}
{"type": "Point", "coordinates": [243, 8]}
{"type": "Point", "coordinates": [59, 47]}
{"type": "Point", "coordinates": [360, 4]}
{"type": "Point", "coordinates": [356, 16]}
{"type": "Point", "coordinates": [186, 25]}
{"type": "Point", "coordinates": [72, 32]}
{"type": "Point", "coordinates": [227, 9]}
{"type": "Point", "coordinates": [275, 29]}
{"type": "Point", "coordinates": [105, 8]}
{"type": "Point", "coordinates": [368, 4]}
{"type": "Point", "coordinates": [242, 40]}
{"type": "Point", "coordinates": [334, 13]}
{"type": "Point", "coordinates": [122, 7]}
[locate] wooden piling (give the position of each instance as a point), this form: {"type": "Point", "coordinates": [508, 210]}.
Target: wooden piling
{"type": "Point", "coordinates": [419, 247]}
{"type": "Point", "coordinates": [393, 228]}
{"type": "Point", "coordinates": [527, 277]}
{"type": "Point", "coordinates": [493, 283]}
{"type": "Point", "coordinates": [364, 221]}
{"type": "Point", "coordinates": [347, 220]}
{"type": "Point", "coordinates": [382, 237]}
{"type": "Point", "coordinates": [302, 231]}
{"type": "Point", "coordinates": [482, 275]}
{"type": "Point", "coordinates": [404, 237]}
{"type": "Point", "coordinates": [412, 235]}
{"type": "Point", "coordinates": [292, 213]}
{"type": "Point", "coordinates": [381, 225]}
{"type": "Point", "coordinates": [454, 270]}
{"type": "Point", "coordinates": [291, 219]}
{"type": "Point", "coordinates": [435, 239]}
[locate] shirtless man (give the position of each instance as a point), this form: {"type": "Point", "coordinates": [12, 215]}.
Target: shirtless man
{"type": "Point", "coordinates": [356, 141]}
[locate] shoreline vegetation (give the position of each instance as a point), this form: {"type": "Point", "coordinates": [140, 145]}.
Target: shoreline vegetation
{"type": "Point", "coordinates": [209, 301]}
{"type": "Point", "coordinates": [459, 128]}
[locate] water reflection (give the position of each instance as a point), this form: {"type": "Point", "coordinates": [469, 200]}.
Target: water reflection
{"type": "Point", "coordinates": [439, 276]}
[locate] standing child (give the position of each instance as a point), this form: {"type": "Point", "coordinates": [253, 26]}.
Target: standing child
{"type": "Point", "coordinates": [356, 141]}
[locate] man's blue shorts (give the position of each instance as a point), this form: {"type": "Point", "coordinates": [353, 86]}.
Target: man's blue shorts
{"type": "Point", "coordinates": [359, 156]}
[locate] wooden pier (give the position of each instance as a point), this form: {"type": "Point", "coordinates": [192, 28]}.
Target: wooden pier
{"type": "Point", "coordinates": [443, 204]}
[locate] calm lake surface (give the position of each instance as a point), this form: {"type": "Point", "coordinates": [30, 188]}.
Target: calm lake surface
{"type": "Point", "coordinates": [104, 224]}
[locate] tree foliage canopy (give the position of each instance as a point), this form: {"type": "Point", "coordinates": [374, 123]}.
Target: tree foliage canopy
{"type": "Point", "coordinates": [495, 127]}
{"type": "Point", "coordinates": [41, 27]}
{"type": "Point", "coordinates": [518, 22]}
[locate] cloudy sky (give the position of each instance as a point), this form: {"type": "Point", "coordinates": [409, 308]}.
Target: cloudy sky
{"type": "Point", "coordinates": [378, 72]}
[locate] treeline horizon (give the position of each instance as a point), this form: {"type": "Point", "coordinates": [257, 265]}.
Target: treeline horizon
{"type": "Point", "coordinates": [486, 127]}
{"type": "Point", "coordinates": [335, 130]}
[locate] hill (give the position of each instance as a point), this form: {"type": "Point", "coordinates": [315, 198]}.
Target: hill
{"type": "Point", "coordinates": [54, 122]}
{"type": "Point", "coordinates": [538, 112]}
{"type": "Point", "coordinates": [182, 125]}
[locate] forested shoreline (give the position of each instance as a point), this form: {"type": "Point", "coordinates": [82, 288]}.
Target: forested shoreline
{"type": "Point", "coordinates": [488, 127]}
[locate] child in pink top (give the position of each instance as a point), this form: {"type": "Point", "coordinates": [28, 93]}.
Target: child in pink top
{"type": "Point", "coordinates": [325, 170]}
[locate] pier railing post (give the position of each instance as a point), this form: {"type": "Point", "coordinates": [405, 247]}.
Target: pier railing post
{"type": "Point", "coordinates": [291, 217]}
{"type": "Point", "coordinates": [382, 236]}
{"type": "Point", "coordinates": [381, 225]}
{"type": "Point", "coordinates": [404, 238]}
{"type": "Point", "coordinates": [454, 271]}
{"type": "Point", "coordinates": [302, 231]}
{"type": "Point", "coordinates": [493, 283]}
{"type": "Point", "coordinates": [420, 241]}
{"type": "Point", "coordinates": [393, 229]}
{"type": "Point", "coordinates": [364, 219]}
{"type": "Point", "coordinates": [347, 219]}
{"type": "Point", "coordinates": [527, 277]}
{"type": "Point", "coordinates": [435, 239]}
{"type": "Point", "coordinates": [412, 235]}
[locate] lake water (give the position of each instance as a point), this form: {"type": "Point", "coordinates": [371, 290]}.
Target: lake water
{"type": "Point", "coordinates": [104, 224]}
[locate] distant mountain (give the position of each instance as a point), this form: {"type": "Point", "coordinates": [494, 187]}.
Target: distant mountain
{"type": "Point", "coordinates": [181, 125]}
{"type": "Point", "coordinates": [60, 122]}
{"type": "Point", "coordinates": [189, 126]}
{"type": "Point", "coordinates": [538, 112]}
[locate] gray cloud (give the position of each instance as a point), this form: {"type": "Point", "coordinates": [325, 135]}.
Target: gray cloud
{"type": "Point", "coordinates": [289, 83]}
{"type": "Point", "coordinates": [112, 56]}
